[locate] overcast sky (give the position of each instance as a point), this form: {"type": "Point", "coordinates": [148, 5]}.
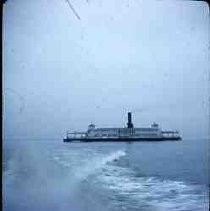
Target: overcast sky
{"type": "Point", "coordinates": [149, 57]}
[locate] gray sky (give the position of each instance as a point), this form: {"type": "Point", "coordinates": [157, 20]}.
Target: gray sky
{"type": "Point", "coordinates": [149, 57]}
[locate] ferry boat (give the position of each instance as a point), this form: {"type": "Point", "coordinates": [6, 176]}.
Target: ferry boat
{"type": "Point", "coordinates": [129, 133]}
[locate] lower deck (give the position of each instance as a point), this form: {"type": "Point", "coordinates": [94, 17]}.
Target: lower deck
{"type": "Point", "coordinates": [117, 139]}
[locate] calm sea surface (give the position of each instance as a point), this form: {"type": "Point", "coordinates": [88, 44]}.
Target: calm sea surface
{"type": "Point", "coordinates": [151, 176]}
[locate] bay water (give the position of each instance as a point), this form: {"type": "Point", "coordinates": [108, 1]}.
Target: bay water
{"type": "Point", "coordinates": [50, 175]}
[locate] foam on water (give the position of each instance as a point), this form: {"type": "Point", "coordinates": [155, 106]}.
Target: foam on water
{"type": "Point", "coordinates": [82, 168]}
{"type": "Point", "coordinates": [148, 193]}
{"type": "Point", "coordinates": [151, 193]}
{"type": "Point", "coordinates": [64, 178]}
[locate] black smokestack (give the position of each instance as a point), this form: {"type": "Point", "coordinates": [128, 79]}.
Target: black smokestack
{"type": "Point", "coordinates": [130, 124]}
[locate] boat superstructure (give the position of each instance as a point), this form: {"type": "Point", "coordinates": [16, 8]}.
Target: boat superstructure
{"type": "Point", "coordinates": [129, 133]}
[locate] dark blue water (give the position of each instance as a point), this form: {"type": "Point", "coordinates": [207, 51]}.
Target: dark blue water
{"type": "Point", "coordinates": [150, 176]}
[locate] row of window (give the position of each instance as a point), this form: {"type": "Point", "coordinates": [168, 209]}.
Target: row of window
{"type": "Point", "coordinates": [125, 129]}
{"type": "Point", "coordinates": [122, 134]}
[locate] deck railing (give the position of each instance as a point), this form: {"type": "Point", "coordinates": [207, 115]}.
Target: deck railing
{"type": "Point", "coordinates": [76, 134]}
{"type": "Point", "coordinates": [170, 133]}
